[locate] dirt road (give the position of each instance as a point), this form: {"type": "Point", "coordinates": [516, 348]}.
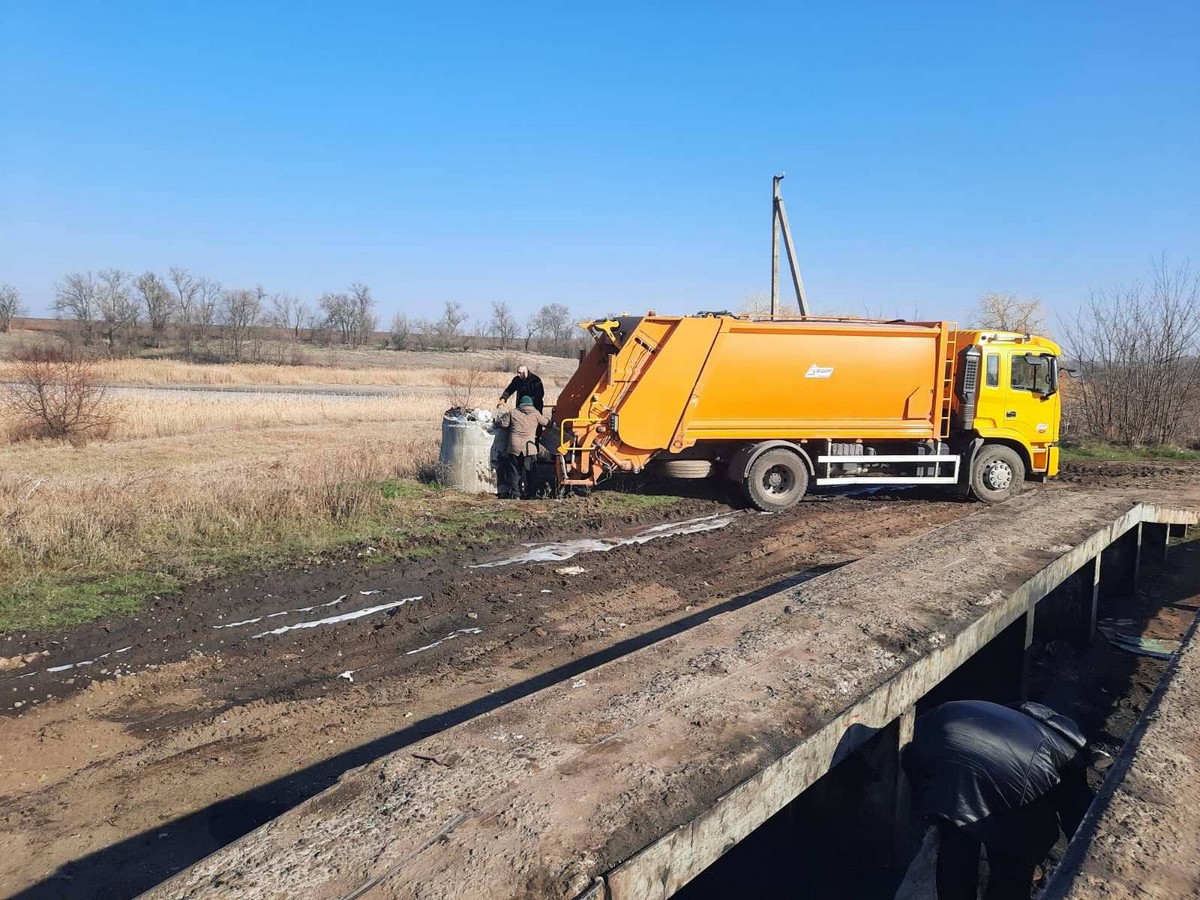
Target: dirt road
{"type": "Point", "coordinates": [213, 712]}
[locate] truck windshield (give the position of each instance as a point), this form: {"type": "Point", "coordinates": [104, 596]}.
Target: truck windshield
{"type": "Point", "coordinates": [1034, 373]}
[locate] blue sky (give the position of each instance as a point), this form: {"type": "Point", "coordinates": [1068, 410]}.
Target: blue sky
{"type": "Point", "coordinates": [602, 155]}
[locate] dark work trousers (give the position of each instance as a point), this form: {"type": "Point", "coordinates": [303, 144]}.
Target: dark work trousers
{"type": "Point", "coordinates": [1017, 841]}
{"type": "Point", "coordinates": [517, 476]}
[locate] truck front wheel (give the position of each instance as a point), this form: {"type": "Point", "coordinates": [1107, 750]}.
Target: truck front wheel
{"type": "Point", "coordinates": [997, 474]}
{"type": "Point", "coordinates": [776, 481]}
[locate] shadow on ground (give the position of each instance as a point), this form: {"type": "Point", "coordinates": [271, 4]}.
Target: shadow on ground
{"type": "Point", "coordinates": [718, 490]}
{"type": "Point", "coordinates": [134, 865]}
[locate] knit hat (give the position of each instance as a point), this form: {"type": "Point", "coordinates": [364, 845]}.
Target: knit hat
{"type": "Point", "coordinates": [525, 401]}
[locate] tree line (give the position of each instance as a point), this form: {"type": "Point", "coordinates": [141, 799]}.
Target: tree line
{"type": "Point", "coordinates": [121, 312]}
{"type": "Point", "coordinates": [1133, 352]}
{"type": "Point", "coordinates": [551, 327]}
{"type": "Point", "coordinates": [117, 309]}
{"type": "Point", "coordinates": [1136, 347]}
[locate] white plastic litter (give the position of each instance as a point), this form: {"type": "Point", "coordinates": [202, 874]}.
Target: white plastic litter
{"type": "Point", "coordinates": [557, 551]}
{"type": "Point", "coordinates": [451, 636]}
{"type": "Point", "coordinates": [87, 662]}
{"type": "Point", "coordinates": [282, 613]}
{"type": "Point", "coordinates": [335, 620]}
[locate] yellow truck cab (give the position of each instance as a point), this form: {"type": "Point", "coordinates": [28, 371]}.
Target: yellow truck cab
{"type": "Point", "coordinates": [1017, 401]}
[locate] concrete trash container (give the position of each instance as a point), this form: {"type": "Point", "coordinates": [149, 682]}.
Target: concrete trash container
{"type": "Point", "coordinates": [467, 460]}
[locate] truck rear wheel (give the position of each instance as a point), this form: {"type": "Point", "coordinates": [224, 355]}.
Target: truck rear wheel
{"type": "Point", "coordinates": [997, 474]}
{"type": "Point", "coordinates": [776, 481]}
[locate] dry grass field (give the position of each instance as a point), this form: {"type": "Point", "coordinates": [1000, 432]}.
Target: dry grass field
{"type": "Point", "coordinates": [83, 534]}
{"type": "Point", "coordinates": [152, 414]}
{"type": "Point", "coordinates": [153, 372]}
{"type": "Point", "coordinates": [191, 484]}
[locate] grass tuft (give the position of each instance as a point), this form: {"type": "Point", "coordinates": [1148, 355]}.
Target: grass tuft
{"type": "Point", "coordinates": [1115, 453]}
{"type": "Point", "coordinates": [54, 601]}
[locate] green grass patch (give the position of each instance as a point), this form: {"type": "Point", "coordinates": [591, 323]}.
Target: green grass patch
{"type": "Point", "coordinates": [373, 523]}
{"type": "Point", "coordinates": [406, 489]}
{"type": "Point", "coordinates": [53, 601]}
{"type": "Point", "coordinates": [1116, 453]}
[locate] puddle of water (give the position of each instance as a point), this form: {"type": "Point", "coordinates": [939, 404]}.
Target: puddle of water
{"type": "Point", "coordinates": [557, 551]}
{"type": "Point", "coordinates": [335, 620]}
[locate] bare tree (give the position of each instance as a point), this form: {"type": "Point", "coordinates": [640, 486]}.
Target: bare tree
{"type": "Point", "coordinates": [57, 394]}
{"type": "Point", "coordinates": [423, 333]}
{"type": "Point", "coordinates": [351, 314]}
{"type": "Point", "coordinates": [207, 307]}
{"type": "Point", "coordinates": [75, 297]}
{"type": "Point", "coordinates": [187, 292]}
{"type": "Point", "coordinates": [553, 322]}
{"type": "Point", "coordinates": [239, 313]}
{"type": "Point", "coordinates": [1008, 312]}
{"type": "Point", "coordinates": [10, 307]}
{"type": "Point", "coordinates": [362, 311]}
{"type": "Point", "coordinates": [401, 330]}
{"type": "Point", "coordinates": [288, 313]}
{"type": "Point", "coordinates": [317, 324]}
{"type": "Point", "coordinates": [119, 309]}
{"type": "Point", "coordinates": [532, 324]}
{"type": "Point", "coordinates": [1138, 348]}
{"type": "Point", "coordinates": [339, 314]}
{"type": "Point", "coordinates": [463, 385]}
{"type": "Point", "coordinates": [448, 328]}
{"type": "Point", "coordinates": [503, 325]}
{"type": "Point", "coordinates": [158, 303]}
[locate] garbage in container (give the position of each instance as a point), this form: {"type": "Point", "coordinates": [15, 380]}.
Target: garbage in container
{"type": "Point", "coordinates": [470, 445]}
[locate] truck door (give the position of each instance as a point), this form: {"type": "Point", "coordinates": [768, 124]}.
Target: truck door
{"type": "Point", "coordinates": [1031, 403]}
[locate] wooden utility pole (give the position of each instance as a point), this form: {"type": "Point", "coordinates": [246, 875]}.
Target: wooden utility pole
{"type": "Point", "coordinates": [779, 223]}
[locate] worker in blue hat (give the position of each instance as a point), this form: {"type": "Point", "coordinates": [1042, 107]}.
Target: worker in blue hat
{"type": "Point", "coordinates": [517, 469]}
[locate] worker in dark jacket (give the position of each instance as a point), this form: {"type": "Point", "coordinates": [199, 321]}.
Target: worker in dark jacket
{"type": "Point", "coordinates": [1001, 777]}
{"type": "Point", "coordinates": [525, 384]}
{"type": "Point", "coordinates": [517, 467]}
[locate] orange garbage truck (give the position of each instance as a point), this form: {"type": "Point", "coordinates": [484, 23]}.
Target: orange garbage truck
{"type": "Point", "coordinates": [778, 405]}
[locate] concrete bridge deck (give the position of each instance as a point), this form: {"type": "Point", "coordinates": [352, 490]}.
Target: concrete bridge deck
{"type": "Point", "coordinates": [631, 779]}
